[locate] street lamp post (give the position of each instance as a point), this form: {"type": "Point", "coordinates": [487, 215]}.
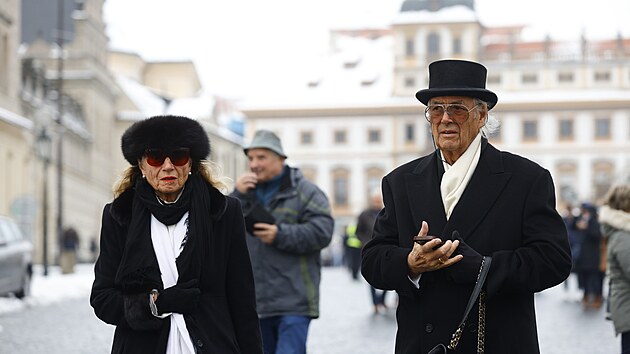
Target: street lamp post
{"type": "Point", "coordinates": [44, 145]}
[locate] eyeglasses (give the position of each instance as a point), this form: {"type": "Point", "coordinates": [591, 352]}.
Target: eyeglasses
{"type": "Point", "coordinates": [457, 112]}
{"type": "Point", "coordinates": [178, 157]}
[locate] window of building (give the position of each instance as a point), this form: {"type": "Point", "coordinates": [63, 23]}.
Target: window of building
{"type": "Point", "coordinates": [565, 129]}
{"type": "Point", "coordinates": [341, 193]}
{"type": "Point", "coordinates": [602, 76]}
{"type": "Point", "coordinates": [340, 136]}
{"type": "Point", "coordinates": [410, 47]}
{"type": "Point", "coordinates": [410, 82]}
{"type": "Point", "coordinates": [306, 138]}
{"type": "Point", "coordinates": [310, 173]}
{"type": "Point", "coordinates": [567, 183]}
{"type": "Point", "coordinates": [565, 77]}
{"type": "Point", "coordinates": [373, 182]}
{"type": "Point", "coordinates": [374, 136]}
{"type": "Point", "coordinates": [433, 44]}
{"type": "Point", "coordinates": [602, 178]}
{"type": "Point", "coordinates": [457, 45]}
{"type": "Point", "coordinates": [602, 128]}
{"type": "Point", "coordinates": [494, 79]}
{"type": "Point", "coordinates": [529, 78]}
{"type": "Point", "coordinates": [410, 132]}
{"type": "Point", "coordinates": [530, 130]}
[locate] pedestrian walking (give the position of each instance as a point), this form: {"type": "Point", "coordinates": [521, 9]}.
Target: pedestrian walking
{"type": "Point", "coordinates": [69, 246]}
{"type": "Point", "coordinates": [485, 208]}
{"type": "Point", "coordinates": [614, 217]}
{"type": "Point", "coordinates": [173, 274]}
{"type": "Point", "coordinates": [353, 250]}
{"type": "Point", "coordinates": [365, 224]}
{"type": "Point", "coordinates": [289, 222]}
{"type": "Point", "coordinates": [588, 263]}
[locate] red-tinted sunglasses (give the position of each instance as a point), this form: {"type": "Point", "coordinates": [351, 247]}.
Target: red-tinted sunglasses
{"type": "Point", "coordinates": [178, 157]}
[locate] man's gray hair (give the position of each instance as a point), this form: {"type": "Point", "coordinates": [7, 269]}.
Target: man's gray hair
{"type": "Point", "coordinates": [492, 123]}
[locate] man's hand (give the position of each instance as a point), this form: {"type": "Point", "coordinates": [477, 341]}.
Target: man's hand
{"type": "Point", "coordinates": [246, 182]}
{"type": "Point", "coordinates": [423, 258]}
{"type": "Point", "coordinates": [265, 232]}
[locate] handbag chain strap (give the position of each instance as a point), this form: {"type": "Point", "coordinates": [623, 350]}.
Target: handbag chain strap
{"type": "Point", "coordinates": [481, 326]}
{"type": "Point", "coordinates": [481, 277]}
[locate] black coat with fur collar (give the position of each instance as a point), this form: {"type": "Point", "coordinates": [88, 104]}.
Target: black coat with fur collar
{"type": "Point", "coordinates": [226, 319]}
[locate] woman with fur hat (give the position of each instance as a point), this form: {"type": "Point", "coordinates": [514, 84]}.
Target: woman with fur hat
{"type": "Point", "coordinates": [174, 274]}
{"type": "Point", "coordinates": [614, 217]}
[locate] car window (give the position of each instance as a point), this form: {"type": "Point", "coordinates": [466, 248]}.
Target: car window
{"type": "Point", "coordinates": [8, 231]}
{"type": "Point", "coordinates": [3, 232]}
{"type": "Point", "coordinates": [16, 234]}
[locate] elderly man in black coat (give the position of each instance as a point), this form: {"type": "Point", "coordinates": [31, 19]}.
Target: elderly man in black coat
{"type": "Point", "coordinates": [479, 202]}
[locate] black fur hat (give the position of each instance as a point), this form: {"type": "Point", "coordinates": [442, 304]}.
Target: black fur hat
{"type": "Point", "coordinates": [165, 132]}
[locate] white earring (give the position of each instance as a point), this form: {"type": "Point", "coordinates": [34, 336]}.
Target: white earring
{"type": "Point", "coordinates": [189, 173]}
{"type": "Point", "coordinates": [143, 176]}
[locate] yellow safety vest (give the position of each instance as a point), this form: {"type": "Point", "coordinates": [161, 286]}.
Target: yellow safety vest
{"type": "Point", "coordinates": [352, 241]}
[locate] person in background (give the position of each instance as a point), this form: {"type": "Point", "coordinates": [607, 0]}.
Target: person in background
{"type": "Point", "coordinates": [569, 214]}
{"type": "Point", "coordinates": [588, 264]}
{"type": "Point", "coordinates": [365, 224]}
{"type": "Point", "coordinates": [479, 202]}
{"type": "Point", "coordinates": [614, 218]}
{"type": "Point", "coordinates": [173, 274]}
{"type": "Point", "coordinates": [353, 250]}
{"type": "Point", "coordinates": [289, 223]}
{"type": "Point", "coordinates": [69, 246]}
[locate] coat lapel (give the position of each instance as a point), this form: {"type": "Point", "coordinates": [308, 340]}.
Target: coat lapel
{"type": "Point", "coordinates": [425, 200]}
{"type": "Point", "coordinates": [484, 187]}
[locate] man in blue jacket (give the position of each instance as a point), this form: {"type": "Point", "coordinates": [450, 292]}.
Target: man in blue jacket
{"type": "Point", "coordinates": [289, 221]}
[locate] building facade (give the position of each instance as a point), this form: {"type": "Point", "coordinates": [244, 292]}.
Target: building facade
{"type": "Point", "coordinates": [565, 105]}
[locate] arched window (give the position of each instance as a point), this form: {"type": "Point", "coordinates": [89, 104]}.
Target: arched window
{"type": "Point", "coordinates": [567, 183]}
{"type": "Point", "coordinates": [310, 173]}
{"type": "Point", "coordinates": [373, 180]}
{"type": "Point", "coordinates": [341, 188]}
{"type": "Point", "coordinates": [602, 178]}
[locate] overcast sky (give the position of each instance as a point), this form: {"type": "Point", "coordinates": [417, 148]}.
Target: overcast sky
{"type": "Point", "coordinates": [238, 45]}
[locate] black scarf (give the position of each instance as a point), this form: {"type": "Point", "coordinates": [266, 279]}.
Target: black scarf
{"type": "Point", "coordinates": [139, 270]}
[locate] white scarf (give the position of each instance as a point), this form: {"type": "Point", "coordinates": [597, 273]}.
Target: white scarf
{"type": "Point", "coordinates": [166, 244]}
{"type": "Point", "coordinates": [456, 177]}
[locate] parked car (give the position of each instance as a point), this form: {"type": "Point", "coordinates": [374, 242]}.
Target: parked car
{"type": "Point", "coordinates": [16, 260]}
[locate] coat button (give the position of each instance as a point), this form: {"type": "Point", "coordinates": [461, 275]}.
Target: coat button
{"type": "Point", "coordinates": [199, 343]}
{"type": "Point", "coordinates": [428, 328]}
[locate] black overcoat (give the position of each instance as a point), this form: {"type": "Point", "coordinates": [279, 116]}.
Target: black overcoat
{"type": "Point", "coordinates": [507, 211]}
{"type": "Point", "coordinates": [225, 320]}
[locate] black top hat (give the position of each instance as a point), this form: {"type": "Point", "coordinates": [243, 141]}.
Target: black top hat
{"type": "Point", "coordinates": [457, 78]}
{"type": "Point", "coordinates": [165, 132]}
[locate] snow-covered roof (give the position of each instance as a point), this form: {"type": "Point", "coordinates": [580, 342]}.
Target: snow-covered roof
{"type": "Point", "coordinates": [147, 103]}
{"type": "Point", "coordinates": [359, 72]}
{"type": "Point", "coordinates": [451, 14]}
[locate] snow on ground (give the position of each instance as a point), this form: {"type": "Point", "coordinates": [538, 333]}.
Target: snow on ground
{"type": "Point", "coordinates": [53, 288]}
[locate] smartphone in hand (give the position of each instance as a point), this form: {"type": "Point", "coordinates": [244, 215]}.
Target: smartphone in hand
{"type": "Point", "coordinates": [421, 240]}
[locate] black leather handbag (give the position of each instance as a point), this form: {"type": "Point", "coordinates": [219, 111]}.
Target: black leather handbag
{"type": "Point", "coordinates": [477, 292]}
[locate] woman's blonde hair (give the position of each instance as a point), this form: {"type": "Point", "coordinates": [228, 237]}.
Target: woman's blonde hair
{"type": "Point", "coordinates": [618, 197]}
{"type": "Point", "coordinates": [206, 168]}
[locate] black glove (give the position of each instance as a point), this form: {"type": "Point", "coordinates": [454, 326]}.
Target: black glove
{"type": "Point", "coordinates": [180, 298]}
{"type": "Point", "coordinates": [466, 270]}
